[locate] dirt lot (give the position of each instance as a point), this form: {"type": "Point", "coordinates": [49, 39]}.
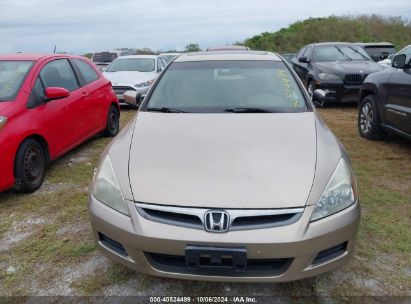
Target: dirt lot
{"type": "Point", "coordinates": [46, 246]}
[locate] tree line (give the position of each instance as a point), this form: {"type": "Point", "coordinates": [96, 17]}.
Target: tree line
{"type": "Point", "coordinates": [363, 28]}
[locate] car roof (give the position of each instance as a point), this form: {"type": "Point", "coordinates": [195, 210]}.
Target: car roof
{"type": "Point", "coordinates": [227, 55]}
{"type": "Point", "coordinates": [330, 43]}
{"type": "Point", "coordinates": [374, 44]}
{"type": "Point", "coordinates": [36, 57]}
{"type": "Point", "coordinates": [165, 54]}
{"type": "Point", "coordinates": [228, 48]}
{"type": "Point", "coordinates": [137, 56]}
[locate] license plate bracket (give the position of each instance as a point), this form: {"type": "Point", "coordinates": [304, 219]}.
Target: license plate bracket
{"type": "Point", "coordinates": [200, 258]}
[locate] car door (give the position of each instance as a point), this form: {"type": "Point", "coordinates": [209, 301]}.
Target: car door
{"type": "Point", "coordinates": [93, 103]}
{"type": "Point", "coordinates": [397, 110]}
{"type": "Point", "coordinates": [62, 118]}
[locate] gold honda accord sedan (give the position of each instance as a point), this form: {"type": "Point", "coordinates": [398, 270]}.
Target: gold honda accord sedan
{"type": "Point", "coordinates": [226, 173]}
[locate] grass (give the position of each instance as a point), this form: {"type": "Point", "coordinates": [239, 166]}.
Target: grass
{"type": "Point", "coordinates": [59, 239]}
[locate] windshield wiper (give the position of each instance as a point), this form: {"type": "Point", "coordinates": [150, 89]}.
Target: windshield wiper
{"type": "Point", "coordinates": [363, 56]}
{"type": "Point", "coordinates": [345, 55]}
{"type": "Point", "coordinates": [248, 110]}
{"type": "Point", "coordinates": [165, 110]}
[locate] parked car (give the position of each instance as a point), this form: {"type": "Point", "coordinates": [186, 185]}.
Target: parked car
{"type": "Point", "coordinates": [289, 57]}
{"type": "Point", "coordinates": [169, 56]}
{"type": "Point", "coordinates": [338, 68]}
{"type": "Point", "coordinates": [134, 73]}
{"type": "Point", "coordinates": [49, 104]}
{"type": "Point", "coordinates": [385, 105]}
{"type": "Point", "coordinates": [388, 61]}
{"type": "Point", "coordinates": [379, 50]}
{"type": "Point", "coordinates": [103, 59]}
{"type": "Point", "coordinates": [209, 182]}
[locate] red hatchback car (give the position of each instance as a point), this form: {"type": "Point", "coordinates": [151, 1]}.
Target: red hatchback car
{"type": "Point", "coordinates": [49, 104]}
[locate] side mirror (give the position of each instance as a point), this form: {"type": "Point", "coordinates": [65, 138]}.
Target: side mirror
{"type": "Point", "coordinates": [398, 61]}
{"type": "Point", "coordinates": [133, 98]}
{"type": "Point", "coordinates": [53, 93]}
{"type": "Point", "coordinates": [319, 97]}
{"type": "Point", "coordinates": [303, 59]}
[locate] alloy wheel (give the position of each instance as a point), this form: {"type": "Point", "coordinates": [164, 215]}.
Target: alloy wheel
{"type": "Point", "coordinates": [310, 90]}
{"type": "Point", "coordinates": [366, 117]}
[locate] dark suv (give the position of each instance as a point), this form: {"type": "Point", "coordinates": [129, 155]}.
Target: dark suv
{"type": "Point", "coordinates": [379, 50]}
{"type": "Point", "coordinates": [386, 101]}
{"type": "Point", "coordinates": [338, 68]}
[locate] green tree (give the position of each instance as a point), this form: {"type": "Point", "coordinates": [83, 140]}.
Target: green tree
{"type": "Point", "coordinates": [362, 28]}
{"type": "Point", "coordinates": [192, 47]}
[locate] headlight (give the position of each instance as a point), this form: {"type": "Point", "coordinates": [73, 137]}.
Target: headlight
{"type": "Point", "coordinates": [106, 188]}
{"type": "Point", "coordinates": [340, 193]}
{"type": "Point", "coordinates": [326, 76]}
{"type": "Point", "coordinates": [145, 84]}
{"type": "Point", "coordinates": [3, 121]}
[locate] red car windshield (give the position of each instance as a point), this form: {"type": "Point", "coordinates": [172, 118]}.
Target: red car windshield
{"type": "Point", "coordinates": [12, 75]}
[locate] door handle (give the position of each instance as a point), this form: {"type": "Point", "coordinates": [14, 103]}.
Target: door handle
{"type": "Point", "coordinates": [85, 93]}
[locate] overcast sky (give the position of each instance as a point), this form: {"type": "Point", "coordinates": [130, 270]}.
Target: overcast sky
{"type": "Point", "coordinates": [81, 26]}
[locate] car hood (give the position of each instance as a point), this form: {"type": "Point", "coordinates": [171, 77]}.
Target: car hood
{"type": "Point", "coordinates": [3, 106]}
{"type": "Point", "coordinates": [348, 67]}
{"type": "Point", "coordinates": [223, 160]}
{"type": "Point", "coordinates": [117, 78]}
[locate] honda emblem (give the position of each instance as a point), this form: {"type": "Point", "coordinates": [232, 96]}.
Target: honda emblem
{"type": "Point", "coordinates": [217, 221]}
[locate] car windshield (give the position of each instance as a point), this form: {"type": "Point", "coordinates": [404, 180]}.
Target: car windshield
{"type": "Point", "coordinates": [380, 52]}
{"type": "Point", "coordinates": [340, 52]}
{"type": "Point", "coordinates": [132, 64]}
{"type": "Point", "coordinates": [104, 57]}
{"type": "Point", "coordinates": [227, 86]}
{"type": "Point", "coordinates": [12, 75]}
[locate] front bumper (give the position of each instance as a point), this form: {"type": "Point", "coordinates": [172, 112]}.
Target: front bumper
{"type": "Point", "coordinates": [299, 244]}
{"type": "Point", "coordinates": [120, 90]}
{"type": "Point", "coordinates": [340, 92]}
{"type": "Point", "coordinates": [7, 154]}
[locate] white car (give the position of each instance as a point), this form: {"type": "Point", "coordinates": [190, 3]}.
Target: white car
{"type": "Point", "coordinates": [388, 61]}
{"type": "Point", "coordinates": [103, 59]}
{"type": "Point", "coordinates": [134, 73]}
{"type": "Point", "coordinates": [170, 56]}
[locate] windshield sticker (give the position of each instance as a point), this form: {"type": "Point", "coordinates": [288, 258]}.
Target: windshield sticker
{"type": "Point", "coordinates": [289, 90]}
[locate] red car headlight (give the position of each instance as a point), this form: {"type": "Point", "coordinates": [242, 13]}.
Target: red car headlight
{"type": "Point", "coordinates": [3, 121]}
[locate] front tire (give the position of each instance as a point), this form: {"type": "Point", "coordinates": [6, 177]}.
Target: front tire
{"type": "Point", "coordinates": [369, 124]}
{"type": "Point", "coordinates": [29, 166]}
{"type": "Point", "coordinates": [113, 122]}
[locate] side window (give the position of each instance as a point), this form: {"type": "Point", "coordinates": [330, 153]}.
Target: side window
{"type": "Point", "coordinates": [308, 52]}
{"type": "Point", "coordinates": [406, 51]}
{"type": "Point", "coordinates": [58, 73]}
{"type": "Point", "coordinates": [301, 52]}
{"type": "Point", "coordinates": [86, 70]}
{"type": "Point", "coordinates": [37, 95]}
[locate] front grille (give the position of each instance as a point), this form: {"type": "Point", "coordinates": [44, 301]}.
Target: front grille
{"type": "Point", "coordinates": [190, 221]}
{"type": "Point", "coordinates": [255, 267]}
{"type": "Point", "coordinates": [239, 219]}
{"type": "Point", "coordinates": [354, 78]}
{"type": "Point", "coordinates": [121, 90]}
